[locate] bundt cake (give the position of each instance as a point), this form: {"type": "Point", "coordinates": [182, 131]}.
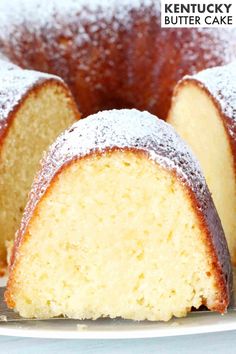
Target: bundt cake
{"type": "Point", "coordinates": [203, 112]}
{"type": "Point", "coordinates": [34, 109]}
{"type": "Point", "coordinates": [112, 54]}
{"type": "Point", "coordinates": [119, 191]}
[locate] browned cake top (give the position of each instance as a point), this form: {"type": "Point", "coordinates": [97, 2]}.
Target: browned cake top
{"type": "Point", "coordinates": [136, 131]}
{"type": "Point", "coordinates": [112, 54]}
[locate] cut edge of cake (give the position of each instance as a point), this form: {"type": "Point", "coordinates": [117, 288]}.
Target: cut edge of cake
{"type": "Point", "coordinates": [40, 108]}
{"type": "Point", "coordinates": [78, 159]}
{"type": "Point", "coordinates": [203, 113]}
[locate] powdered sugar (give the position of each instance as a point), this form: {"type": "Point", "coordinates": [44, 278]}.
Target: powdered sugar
{"type": "Point", "coordinates": [36, 9]}
{"type": "Point", "coordinates": [211, 43]}
{"type": "Point", "coordinates": [125, 129]}
{"type": "Point", "coordinates": [47, 14]}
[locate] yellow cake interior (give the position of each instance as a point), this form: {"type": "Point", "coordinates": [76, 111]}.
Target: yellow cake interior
{"type": "Point", "coordinates": [43, 115]}
{"type": "Point", "coordinates": [197, 120]}
{"type": "Point", "coordinates": [115, 235]}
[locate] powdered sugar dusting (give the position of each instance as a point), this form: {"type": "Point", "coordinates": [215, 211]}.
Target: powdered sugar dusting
{"type": "Point", "coordinates": [39, 15]}
{"type": "Point", "coordinates": [15, 83]}
{"type": "Point", "coordinates": [43, 13]}
{"type": "Point", "coordinates": [124, 129]}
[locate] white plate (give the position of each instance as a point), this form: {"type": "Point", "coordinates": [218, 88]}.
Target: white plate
{"type": "Point", "coordinates": [194, 323]}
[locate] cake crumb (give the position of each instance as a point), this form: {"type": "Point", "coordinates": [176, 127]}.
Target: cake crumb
{"type": "Point", "coordinates": [3, 318]}
{"type": "Point", "coordinates": [81, 327]}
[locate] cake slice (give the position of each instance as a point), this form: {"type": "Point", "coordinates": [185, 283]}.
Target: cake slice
{"type": "Point", "coordinates": [203, 112]}
{"type": "Point", "coordinates": [119, 223]}
{"type": "Point", "coordinates": [34, 109]}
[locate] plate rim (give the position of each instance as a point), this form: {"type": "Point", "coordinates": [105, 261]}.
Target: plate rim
{"type": "Point", "coordinates": [169, 330]}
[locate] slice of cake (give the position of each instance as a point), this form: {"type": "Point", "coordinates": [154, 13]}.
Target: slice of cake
{"type": "Point", "coordinates": [119, 222]}
{"type": "Point", "coordinates": [203, 112]}
{"type": "Point", "coordinates": [34, 109]}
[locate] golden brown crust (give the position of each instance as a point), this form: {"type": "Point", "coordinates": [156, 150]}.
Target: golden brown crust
{"type": "Point", "coordinates": [212, 229]}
